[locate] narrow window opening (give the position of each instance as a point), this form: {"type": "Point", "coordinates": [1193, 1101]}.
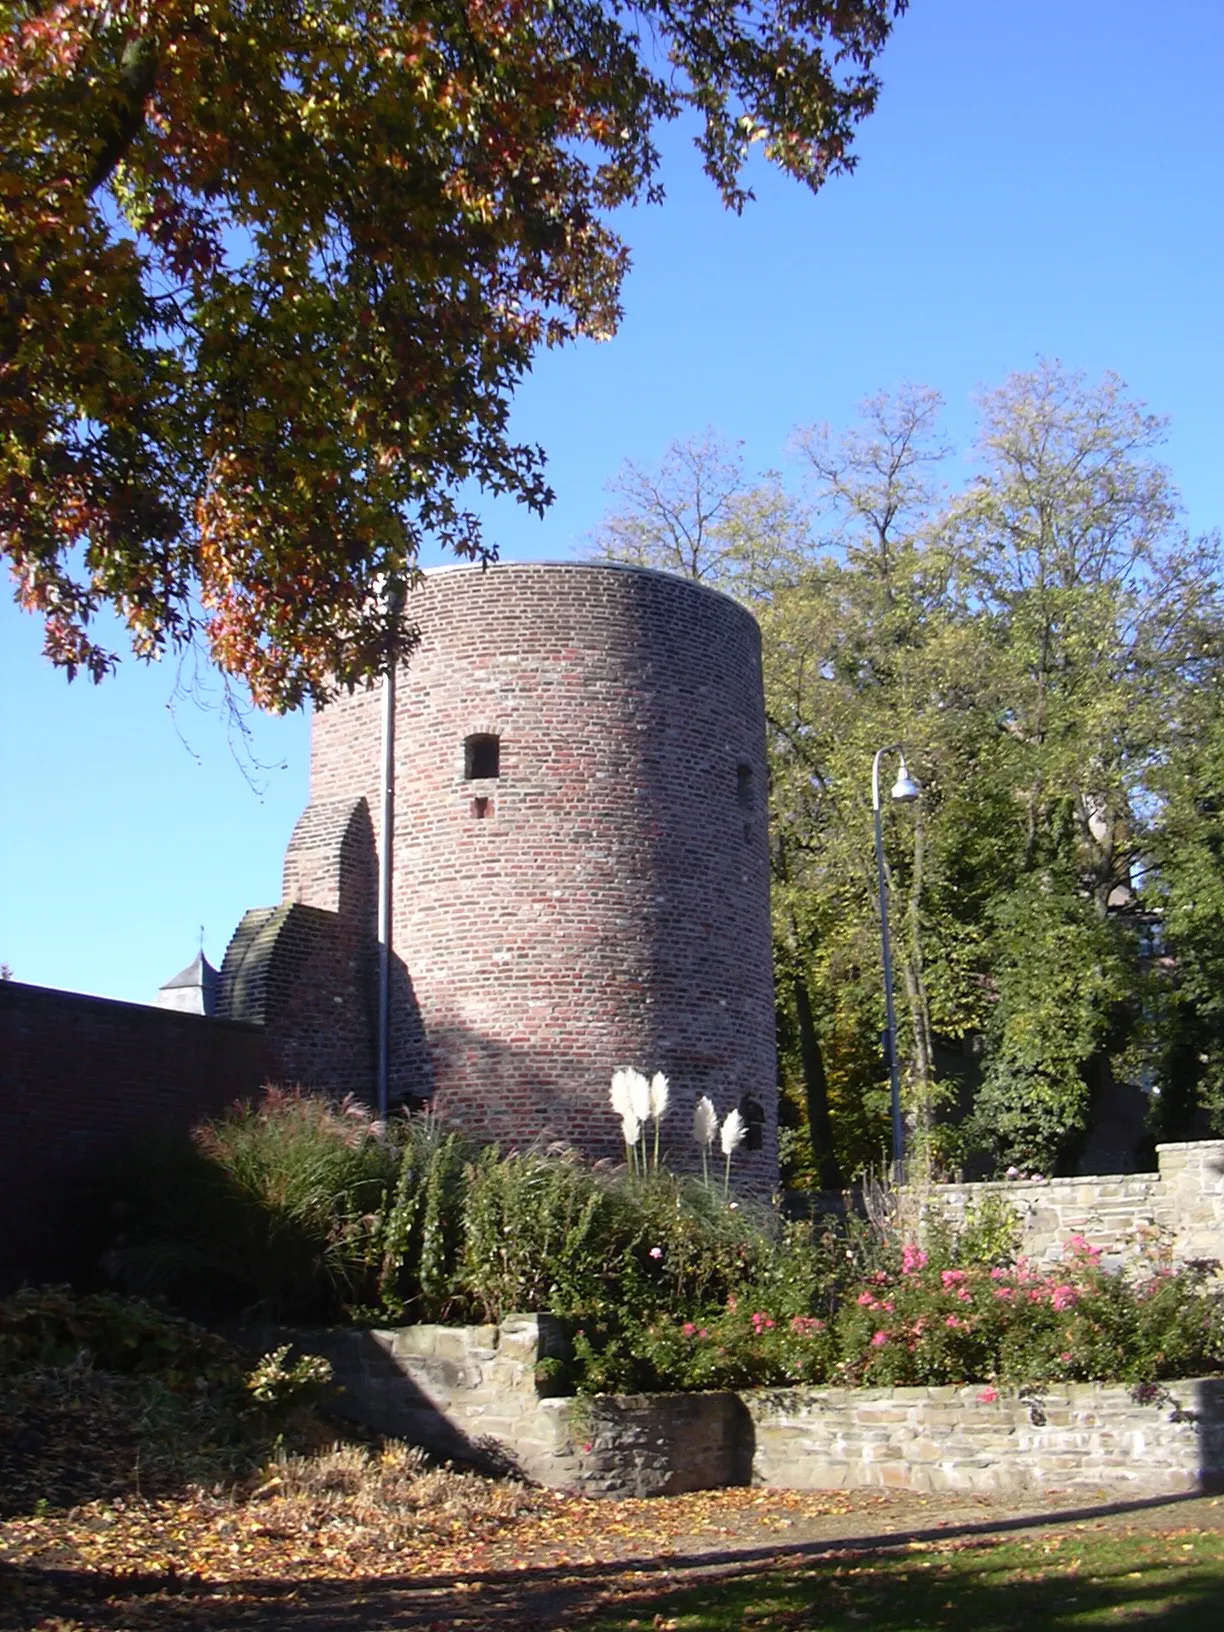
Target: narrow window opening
{"type": "Point", "coordinates": [482, 807]}
{"type": "Point", "coordinates": [481, 758]}
{"type": "Point", "coordinates": [743, 786]}
{"type": "Point", "coordinates": [753, 1114]}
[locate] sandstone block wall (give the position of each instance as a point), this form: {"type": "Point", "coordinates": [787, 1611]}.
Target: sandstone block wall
{"type": "Point", "coordinates": [604, 900]}
{"type": "Point", "coordinates": [465, 1392]}
{"type": "Point", "coordinates": [470, 1393]}
{"type": "Point", "coordinates": [1184, 1201]}
{"type": "Point", "coordinates": [1085, 1439]}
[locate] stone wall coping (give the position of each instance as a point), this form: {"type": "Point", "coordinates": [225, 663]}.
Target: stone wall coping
{"type": "Point", "coordinates": [1063, 1182]}
{"type": "Point", "coordinates": [1192, 1144]}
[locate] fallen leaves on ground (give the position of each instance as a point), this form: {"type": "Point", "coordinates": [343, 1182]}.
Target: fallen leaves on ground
{"type": "Point", "coordinates": [333, 1517]}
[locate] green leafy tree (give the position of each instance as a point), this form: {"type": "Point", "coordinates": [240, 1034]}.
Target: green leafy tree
{"type": "Point", "coordinates": [272, 269]}
{"type": "Point", "coordinates": [1184, 889]}
{"type": "Point", "coordinates": [1046, 644]}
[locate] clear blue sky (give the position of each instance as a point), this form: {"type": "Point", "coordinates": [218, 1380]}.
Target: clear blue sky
{"type": "Point", "coordinates": [1042, 177]}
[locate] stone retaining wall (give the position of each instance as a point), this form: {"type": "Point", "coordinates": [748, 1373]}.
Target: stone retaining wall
{"type": "Point", "coordinates": [470, 1393]}
{"type": "Point", "coordinates": [1184, 1200]}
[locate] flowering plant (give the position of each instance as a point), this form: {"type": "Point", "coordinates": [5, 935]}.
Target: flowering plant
{"type": "Point", "coordinates": [1021, 1323]}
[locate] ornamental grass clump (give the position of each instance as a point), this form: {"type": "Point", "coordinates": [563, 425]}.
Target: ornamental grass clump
{"type": "Point", "coordinates": [734, 1132]}
{"type": "Point", "coordinates": [705, 1126]}
{"type": "Point", "coordinates": [272, 1205]}
{"type": "Point", "coordinates": [637, 1100]}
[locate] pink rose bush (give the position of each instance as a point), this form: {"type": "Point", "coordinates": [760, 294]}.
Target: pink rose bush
{"type": "Point", "coordinates": [923, 1322]}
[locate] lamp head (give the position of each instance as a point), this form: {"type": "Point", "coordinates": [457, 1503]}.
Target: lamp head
{"type": "Point", "coordinates": [905, 790]}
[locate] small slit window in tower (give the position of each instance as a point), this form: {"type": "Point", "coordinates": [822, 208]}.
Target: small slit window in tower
{"type": "Point", "coordinates": [743, 786]}
{"type": "Point", "coordinates": [753, 1114]}
{"type": "Point", "coordinates": [481, 758]}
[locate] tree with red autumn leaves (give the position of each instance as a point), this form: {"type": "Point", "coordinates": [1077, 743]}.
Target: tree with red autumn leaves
{"type": "Point", "coordinates": [271, 270]}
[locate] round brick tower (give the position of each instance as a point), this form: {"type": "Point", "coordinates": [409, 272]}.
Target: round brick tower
{"type": "Point", "coordinates": [580, 867]}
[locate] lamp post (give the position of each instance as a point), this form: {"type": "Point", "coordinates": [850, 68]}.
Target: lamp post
{"type": "Point", "coordinates": [904, 790]}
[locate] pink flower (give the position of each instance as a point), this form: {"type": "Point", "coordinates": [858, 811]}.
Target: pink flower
{"type": "Point", "coordinates": [912, 1259]}
{"type": "Point", "coordinates": [656, 1252]}
{"type": "Point", "coordinates": [988, 1395]}
{"type": "Point", "coordinates": [1003, 1292]}
{"type": "Point", "coordinates": [964, 1294]}
{"type": "Point", "coordinates": [1063, 1297]}
{"type": "Point", "coordinates": [951, 1321]}
{"type": "Point", "coordinates": [879, 1340]}
{"type": "Point", "coordinates": [1013, 1173]}
{"type": "Point", "coordinates": [731, 1302]}
{"type": "Point", "coordinates": [1065, 1356]}
{"type": "Point", "coordinates": [865, 1300]}
{"type": "Point", "coordinates": [801, 1325]}
{"type": "Point", "coordinates": [951, 1277]}
{"type": "Point", "coordinates": [688, 1328]}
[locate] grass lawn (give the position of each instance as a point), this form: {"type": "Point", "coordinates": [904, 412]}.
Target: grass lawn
{"type": "Point", "coordinates": [1082, 1575]}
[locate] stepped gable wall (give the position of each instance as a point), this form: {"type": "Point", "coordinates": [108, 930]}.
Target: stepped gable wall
{"type": "Point", "coordinates": [304, 971]}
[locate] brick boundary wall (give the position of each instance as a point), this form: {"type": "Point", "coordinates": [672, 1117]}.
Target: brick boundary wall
{"type": "Point", "coordinates": [604, 900]}
{"type": "Point", "coordinates": [80, 1079]}
{"type": "Point", "coordinates": [469, 1392]}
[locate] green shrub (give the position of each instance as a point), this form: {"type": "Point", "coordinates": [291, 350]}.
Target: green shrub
{"type": "Point", "coordinates": [920, 1322]}
{"type": "Point", "coordinates": [1019, 1325]}
{"type": "Point", "coordinates": [273, 1206]}
{"type": "Point", "coordinates": [539, 1233]}
{"type": "Point", "coordinates": [54, 1327]}
{"type": "Point", "coordinates": [311, 1211]}
{"type": "Point", "coordinates": [418, 1233]}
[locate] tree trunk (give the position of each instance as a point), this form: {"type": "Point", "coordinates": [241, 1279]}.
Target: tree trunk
{"type": "Point", "coordinates": [815, 1091]}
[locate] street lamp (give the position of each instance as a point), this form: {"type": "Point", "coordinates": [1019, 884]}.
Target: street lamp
{"type": "Point", "coordinates": [904, 790]}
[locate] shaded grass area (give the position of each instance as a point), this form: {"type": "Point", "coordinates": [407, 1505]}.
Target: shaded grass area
{"type": "Point", "coordinates": [1072, 1578]}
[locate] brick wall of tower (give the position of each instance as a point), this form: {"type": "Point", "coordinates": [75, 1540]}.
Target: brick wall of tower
{"type": "Point", "coordinates": [610, 906]}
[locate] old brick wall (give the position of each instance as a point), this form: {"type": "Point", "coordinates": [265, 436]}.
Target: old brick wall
{"type": "Point", "coordinates": [607, 904]}
{"type": "Point", "coordinates": [81, 1077]}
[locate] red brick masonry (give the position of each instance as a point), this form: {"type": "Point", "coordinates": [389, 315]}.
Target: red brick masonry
{"type": "Point", "coordinates": [604, 900]}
